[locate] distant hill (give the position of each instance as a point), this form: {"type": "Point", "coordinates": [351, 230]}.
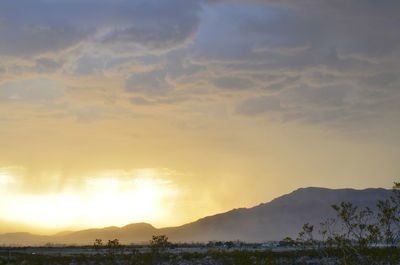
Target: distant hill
{"type": "Point", "coordinates": [283, 216]}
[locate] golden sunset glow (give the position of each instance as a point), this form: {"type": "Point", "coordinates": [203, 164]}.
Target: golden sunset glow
{"type": "Point", "coordinates": [113, 198]}
{"type": "Point", "coordinates": [164, 112]}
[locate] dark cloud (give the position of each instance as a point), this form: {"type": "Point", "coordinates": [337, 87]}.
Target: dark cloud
{"type": "Point", "coordinates": [29, 28]}
{"type": "Point", "coordinates": [368, 27]}
{"type": "Point", "coordinates": [329, 59]}
{"type": "Point", "coordinates": [282, 34]}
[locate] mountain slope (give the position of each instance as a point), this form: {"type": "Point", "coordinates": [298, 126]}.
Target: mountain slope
{"type": "Point", "coordinates": [277, 219]}
{"type": "Point", "coordinates": [283, 216]}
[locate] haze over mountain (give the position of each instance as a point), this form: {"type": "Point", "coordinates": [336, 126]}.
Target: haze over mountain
{"type": "Point", "coordinates": [283, 216]}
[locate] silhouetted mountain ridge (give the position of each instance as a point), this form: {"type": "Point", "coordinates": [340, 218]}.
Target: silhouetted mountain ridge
{"type": "Point", "coordinates": [281, 217]}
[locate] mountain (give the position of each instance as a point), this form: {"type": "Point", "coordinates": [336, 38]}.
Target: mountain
{"type": "Point", "coordinates": [283, 216]}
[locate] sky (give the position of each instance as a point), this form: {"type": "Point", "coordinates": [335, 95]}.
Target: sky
{"type": "Point", "coordinates": [115, 111]}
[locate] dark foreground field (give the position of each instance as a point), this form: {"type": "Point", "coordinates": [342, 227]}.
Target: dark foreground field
{"type": "Point", "coordinates": [178, 255]}
{"type": "Point", "coordinates": [145, 255]}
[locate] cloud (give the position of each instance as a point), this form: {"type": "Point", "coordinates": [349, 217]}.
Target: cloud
{"type": "Point", "coordinates": [331, 55]}
{"type": "Point", "coordinates": [178, 63]}
{"type": "Point", "coordinates": [327, 61]}
{"type": "Point", "coordinates": [31, 28]}
{"type": "Point", "coordinates": [41, 29]}
{"type": "Point", "coordinates": [158, 25]}
{"type": "Point", "coordinates": [91, 113]}
{"type": "Point", "coordinates": [311, 116]}
{"type": "Point", "coordinates": [287, 81]}
{"type": "Point", "coordinates": [323, 96]}
{"type": "Point", "coordinates": [311, 104]}
{"type": "Point", "coordinates": [384, 80]}
{"type": "Point", "coordinates": [46, 65]}
{"type": "Point", "coordinates": [88, 65]}
{"type": "Point", "coordinates": [141, 101]}
{"type": "Point", "coordinates": [149, 83]}
{"type": "Point", "coordinates": [233, 83]}
{"type": "Point", "coordinates": [33, 91]}
{"type": "Point", "coordinates": [280, 33]}
{"type": "Point", "coordinates": [258, 105]}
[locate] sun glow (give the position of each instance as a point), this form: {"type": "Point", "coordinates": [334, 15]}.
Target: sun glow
{"type": "Point", "coordinates": [112, 198]}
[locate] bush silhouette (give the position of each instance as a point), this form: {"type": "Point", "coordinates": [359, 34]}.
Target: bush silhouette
{"type": "Point", "coordinates": [358, 236]}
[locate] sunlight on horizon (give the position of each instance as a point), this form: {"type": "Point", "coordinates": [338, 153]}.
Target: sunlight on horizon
{"type": "Point", "coordinates": [107, 199]}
